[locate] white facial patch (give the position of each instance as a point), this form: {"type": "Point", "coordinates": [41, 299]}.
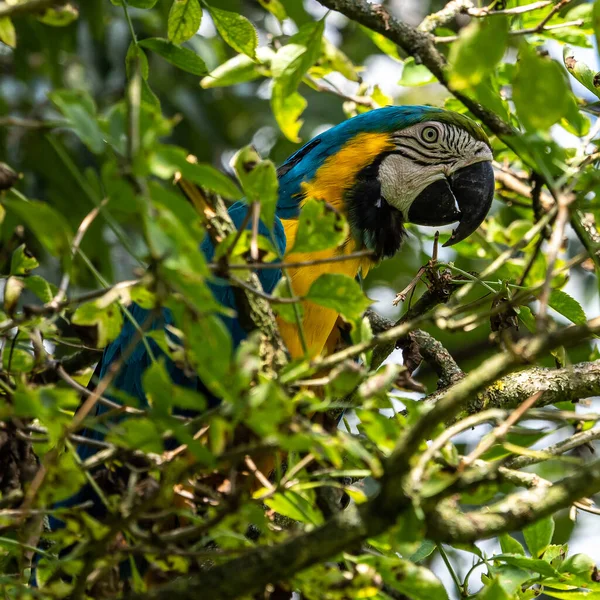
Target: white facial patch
{"type": "Point", "coordinates": [425, 153]}
{"type": "Point", "coordinates": [402, 180]}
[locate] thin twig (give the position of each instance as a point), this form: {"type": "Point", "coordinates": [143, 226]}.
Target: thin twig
{"type": "Point", "coordinates": [261, 266]}
{"type": "Point", "coordinates": [83, 227]}
{"type": "Point", "coordinates": [488, 441]}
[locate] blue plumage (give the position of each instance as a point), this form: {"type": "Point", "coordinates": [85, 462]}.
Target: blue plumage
{"type": "Point", "coordinates": [129, 377]}
{"type": "Point", "coordinates": [298, 168]}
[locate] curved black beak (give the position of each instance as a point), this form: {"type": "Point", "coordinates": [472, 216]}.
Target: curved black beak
{"type": "Point", "coordinates": [465, 196]}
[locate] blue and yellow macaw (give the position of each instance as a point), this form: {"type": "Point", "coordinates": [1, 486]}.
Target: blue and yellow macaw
{"type": "Point", "coordinates": [382, 169]}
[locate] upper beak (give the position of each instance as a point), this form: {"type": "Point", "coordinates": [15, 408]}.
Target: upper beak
{"type": "Point", "coordinates": [465, 196]}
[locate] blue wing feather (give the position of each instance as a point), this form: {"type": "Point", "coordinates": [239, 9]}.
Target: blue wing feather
{"type": "Point", "coordinates": [129, 378]}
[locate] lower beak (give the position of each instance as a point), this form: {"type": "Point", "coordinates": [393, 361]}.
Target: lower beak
{"type": "Point", "coordinates": [465, 196]}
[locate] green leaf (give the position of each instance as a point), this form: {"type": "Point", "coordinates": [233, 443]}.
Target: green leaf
{"type": "Point", "coordinates": [539, 535]}
{"type": "Point", "coordinates": [319, 228]}
{"type": "Point", "coordinates": [478, 50]}
{"type": "Point", "coordinates": [417, 582]}
{"type": "Point", "coordinates": [107, 320]}
{"type": "Point", "coordinates": [539, 79]}
{"type": "Point", "coordinates": [22, 261]}
{"type": "Point", "coordinates": [414, 74]}
{"type": "Point", "coordinates": [60, 16]}
{"type": "Point", "coordinates": [581, 72]}
{"type": "Point", "coordinates": [571, 594]}
{"type": "Point", "coordinates": [424, 550]}
{"type": "Point", "coordinates": [536, 565]}
{"type": "Point", "coordinates": [509, 545]}
{"type": "Point", "coordinates": [578, 563]}
{"type": "Point", "coordinates": [136, 54]}
{"type": "Point", "coordinates": [8, 35]}
{"type": "Point", "coordinates": [333, 59]}
{"type": "Point", "coordinates": [340, 293]}
{"type": "Point", "coordinates": [163, 395]}
{"type": "Point", "coordinates": [49, 227]}
{"type": "Point", "coordinates": [275, 8]}
{"type": "Point", "coordinates": [384, 44]}
{"type": "Point", "coordinates": [259, 182]}
{"type": "Point", "coordinates": [287, 110]}
{"type": "Point", "coordinates": [567, 306]}
{"type": "Point", "coordinates": [40, 287]}
{"type": "Point", "coordinates": [294, 506]}
{"type": "Point", "coordinates": [168, 160]}
{"type": "Point", "coordinates": [210, 350]}
{"type": "Point", "coordinates": [19, 361]}
{"type": "Point", "coordinates": [236, 30]}
{"type": "Point", "coordinates": [184, 20]}
{"type": "Point", "coordinates": [494, 591]}
{"type": "Point", "coordinates": [292, 61]}
{"type": "Point", "coordinates": [80, 111]}
{"type": "Point", "coordinates": [140, 434]}
{"type": "Point", "coordinates": [183, 58]}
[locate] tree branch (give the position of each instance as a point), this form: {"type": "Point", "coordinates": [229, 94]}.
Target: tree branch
{"type": "Point", "coordinates": [418, 44]}
{"type": "Point", "coordinates": [446, 524]}
{"type": "Point", "coordinates": [270, 564]}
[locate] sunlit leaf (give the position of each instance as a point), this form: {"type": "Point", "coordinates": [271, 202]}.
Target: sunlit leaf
{"type": "Point", "coordinates": [60, 16]}
{"type": "Point", "coordinates": [339, 292]}
{"type": "Point", "coordinates": [414, 74]}
{"type": "Point", "coordinates": [236, 30]}
{"type": "Point", "coordinates": [8, 34]}
{"type": "Point", "coordinates": [275, 8]}
{"type": "Point", "coordinates": [479, 49]}
{"type": "Point", "coordinates": [287, 110]}
{"type": "Point", "coordinates": [184, 20]}
{"type": "Point", "coordinates": [259, 181]}
{"type": "Point", "coordinates": [107, 320]}
{"type": "Point", "coordinates": [22, 261]}
{"type": "Point", "coordinates": [292, 61]}
{"type": "Point", "coordinates": [567, 306]}
{"type": "Point", "coordinates": [538, 79]}
{"type": "Point", "coordinates": [539, 535]}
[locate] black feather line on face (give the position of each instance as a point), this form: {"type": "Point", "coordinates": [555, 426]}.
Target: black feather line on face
{"type": "Point", "coordinates": [374, 223]}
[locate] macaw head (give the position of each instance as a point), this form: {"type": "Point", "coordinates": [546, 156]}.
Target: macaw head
{"type": "Point", "coordinates": [390, 166]}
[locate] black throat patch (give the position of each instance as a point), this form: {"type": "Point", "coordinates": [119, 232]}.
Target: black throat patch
{"type": "Point", "coordinates": [375, 224]}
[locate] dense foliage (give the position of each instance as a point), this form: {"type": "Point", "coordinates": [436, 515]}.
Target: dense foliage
{"type": "Point", "coordinates": [104, 103]}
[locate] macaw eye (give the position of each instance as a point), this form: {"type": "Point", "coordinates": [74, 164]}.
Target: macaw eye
{"type": "Point", "coordinates": [430, 134]}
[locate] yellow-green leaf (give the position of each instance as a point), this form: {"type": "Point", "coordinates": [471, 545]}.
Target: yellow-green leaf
{"type": "Point", "coordinates": [478, 50]}
{"type": "Point", "coordinates": [319, 228]}
{"type": "Point", "coordinates": [108, 320]}
{"type": "Point", "coordinates": [8, 34]}
{"type": "Point", "coordinates": [567, 306]}
{"type": "Point", "coordinates": [287, 110]}
{"type": "Point", "coordinates": [275, 8]}
{"type": "Point", "coordinates": [414, 74]}
{"type": "Point", "coordinates": [236, 30]}
{"type": "Point", "coordinates": [184, 20]}
{"type": "Point", "coordinates": [540, 91]}
{"type": "Point", "coordinates": [60, 16]}
{"type": "Point", "coordinates": [341, 293]}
